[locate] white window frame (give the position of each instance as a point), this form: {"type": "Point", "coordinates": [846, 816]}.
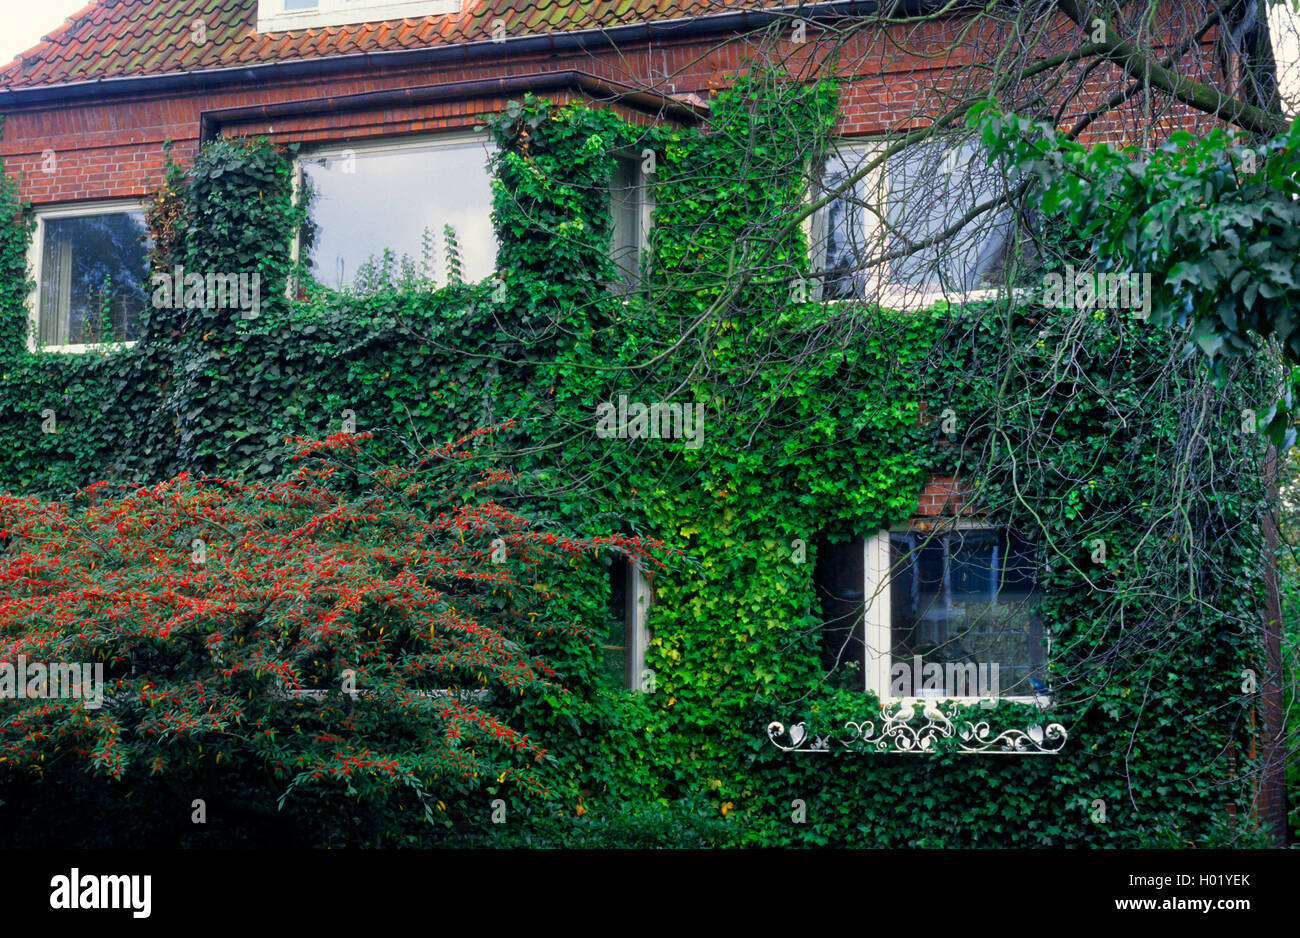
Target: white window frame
{"type": "Point", "coordinates": [901, 297]}
{"type": "Point", "coordinates": [637, 599]}
{"type": "Point", "coordinates": [35, 252]}
{"type": "Point", "coordinates": [878, 624]}
{"type": "Point", "coordinates": [636, 623]}
{"type": "Point", "coordinates": [335, 149]}
{"type": "Point", "coordinates": [645, 203]}
{"type": "Point", "coordinates": [273, 17]}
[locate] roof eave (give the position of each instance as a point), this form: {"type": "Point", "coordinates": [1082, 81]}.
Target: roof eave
{"type": "Point", "coordinates": [577, 40]}
{"type": "Point", "coordinates": [599, 89]}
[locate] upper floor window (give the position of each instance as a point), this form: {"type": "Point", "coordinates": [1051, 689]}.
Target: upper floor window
{"type": "Point", "coordinates": [402, 197]}
{"type": "Point", "coordinates": [631, 207]}
{"type": "Point", "coordinates": [280, 15]}
{"type": "Point", "coordinates": [947, 611]}
{"type": "Point", "coordinates": [91, 265]}
{"type": "Point", "coordinates": [898, 230]}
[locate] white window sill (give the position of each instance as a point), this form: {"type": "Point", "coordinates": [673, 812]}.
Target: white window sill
{"type": "Point", "coordinates": [911, 300]}
{"type": "Point", "coordinates": [82, 349]}
{"type": "Point", "coordinates": [1039, 700]}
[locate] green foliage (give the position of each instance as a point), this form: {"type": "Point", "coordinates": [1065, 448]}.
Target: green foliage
{"type": "Point", "coordinates": [1289, 589]}
{"type": "Point", "coordinates": [16, 226]}
{"type": "Point", "coordinates": [240, 219]}
{"type": "Point", "coordinates": [165, 215]}
{"type": "Point", "coordinates": [346, 634]}
{"type": "Point", "coordinates": [1073, 426]}
{"type": "Point", "coordinates": [688, 824]}
{"type": "Point", "coordinates": [1213, 220]}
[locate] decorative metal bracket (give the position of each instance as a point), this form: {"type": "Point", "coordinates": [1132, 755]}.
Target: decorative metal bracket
{"type": "Point", "coordinates": [899, 731]}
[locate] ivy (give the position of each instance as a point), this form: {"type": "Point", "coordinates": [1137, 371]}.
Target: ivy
{"type": "Point", "coordinates": [1073, 425]}
{"type": "Point", "coordinates": [16, 226]}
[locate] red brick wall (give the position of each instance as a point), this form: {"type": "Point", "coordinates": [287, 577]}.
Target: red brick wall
{"type": "Point", "coordinates": [943, 495]}
{"type": "Point", "coordinates": [112, 147]}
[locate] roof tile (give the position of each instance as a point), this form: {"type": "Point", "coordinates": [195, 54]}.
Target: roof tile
{"type": "Point", "coordinates": [118, 38]}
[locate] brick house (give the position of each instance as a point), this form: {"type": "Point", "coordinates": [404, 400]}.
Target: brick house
{"type": "Point", "coordinates": [398, 85]}
{"type": "Point", "coordinates": [88, 110]}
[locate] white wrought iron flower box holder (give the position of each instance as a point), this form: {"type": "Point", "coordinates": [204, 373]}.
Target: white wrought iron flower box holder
{"type": "Point", "coordinates": [897, 730]}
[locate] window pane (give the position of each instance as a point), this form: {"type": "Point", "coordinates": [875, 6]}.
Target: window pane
{"type": "Point", "coordinates": [94, 272]}
{"type": "Point", "coordinates": [917, 195]}
{"type": "Point", "coordinates": [367, 201]}
{"type": "Point", "coordinates": [291, 6]}
{"type": "Point", "coordinates": [965, 601]}
{"type": "Point", "coordinates": [614, 648]}
{"type": "Point", "coordinates": [838, 581]}
{"type": "Point", "coordinates": [931, 187]}
{"type": "Point", "coordinates": [625, 193]}
{"type": "Point", "coordinates": [847, 226]}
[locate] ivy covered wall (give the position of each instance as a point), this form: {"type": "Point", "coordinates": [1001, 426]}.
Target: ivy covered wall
{"type": "Point", "coordinates": [1071, 427]}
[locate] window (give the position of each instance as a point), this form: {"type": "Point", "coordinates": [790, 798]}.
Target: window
{"type": "Point", "coordinates": [911, 198]}
{"type": "Point", "coordinates": [400, 196]}
{"type": "Point", "coordinates": [91, 264]}
{"type": "Point", "coordinates": [628, 634]}
{"type": "Point", "coordinates": [279, 15]}
{"type": "Point", "coordinates": [631, 208]}
{"type": "Point", "coordinates": [943, 611]}
{"type": "Point", "coordinates": [839, 581]}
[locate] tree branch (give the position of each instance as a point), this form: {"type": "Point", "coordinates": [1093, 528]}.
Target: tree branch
{"type": "Point", "coordinates": [1139, 66]}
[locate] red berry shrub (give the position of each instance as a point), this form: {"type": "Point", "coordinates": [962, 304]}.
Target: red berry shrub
{"type": "Point", "coordinates": [342, 644]}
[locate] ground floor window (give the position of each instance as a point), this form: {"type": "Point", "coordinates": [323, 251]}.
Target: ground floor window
{"type": "Point", "coordinates": [935, 610]}
{"type": "Point", "coordinates": [627, 634]}
{"type": "Point", "coordinates": [92, 275]}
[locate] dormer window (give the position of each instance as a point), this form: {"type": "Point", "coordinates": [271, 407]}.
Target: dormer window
{"type": "Point", "coordinates": [281, 15]}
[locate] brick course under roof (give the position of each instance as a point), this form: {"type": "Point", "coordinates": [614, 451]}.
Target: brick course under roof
{"type": "Point", "coordinates": [127, 38]}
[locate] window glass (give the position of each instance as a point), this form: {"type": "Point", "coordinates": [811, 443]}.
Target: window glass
{"type": "Point", "coordinates": [626, 630]}
{"type": "Point", "coordinates": [930, 188]}
{"type": "Point", "coordinates": [401, 199]}
{"type": "Point", "coordinates": [615, 648]}
{"type": "Point", "coordinates": [967, 598]}
{"type": "Point", "coordinates": [93, 281]}
{"type": "Point", "coordinates": [849, 226]}
{"type": "Point", "coordinates": [627, 201]}
{"type": "Point", "coordinates": [913, 196]}
{"type": "Point", "coordinates": [838, 580]}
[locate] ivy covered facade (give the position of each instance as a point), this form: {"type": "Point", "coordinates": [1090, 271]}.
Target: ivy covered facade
{"type": "Point", "coordinates": [787, 449]}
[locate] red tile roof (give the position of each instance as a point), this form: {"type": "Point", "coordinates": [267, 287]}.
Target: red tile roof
{"type": "Point", "coordinates": [121, 38]}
